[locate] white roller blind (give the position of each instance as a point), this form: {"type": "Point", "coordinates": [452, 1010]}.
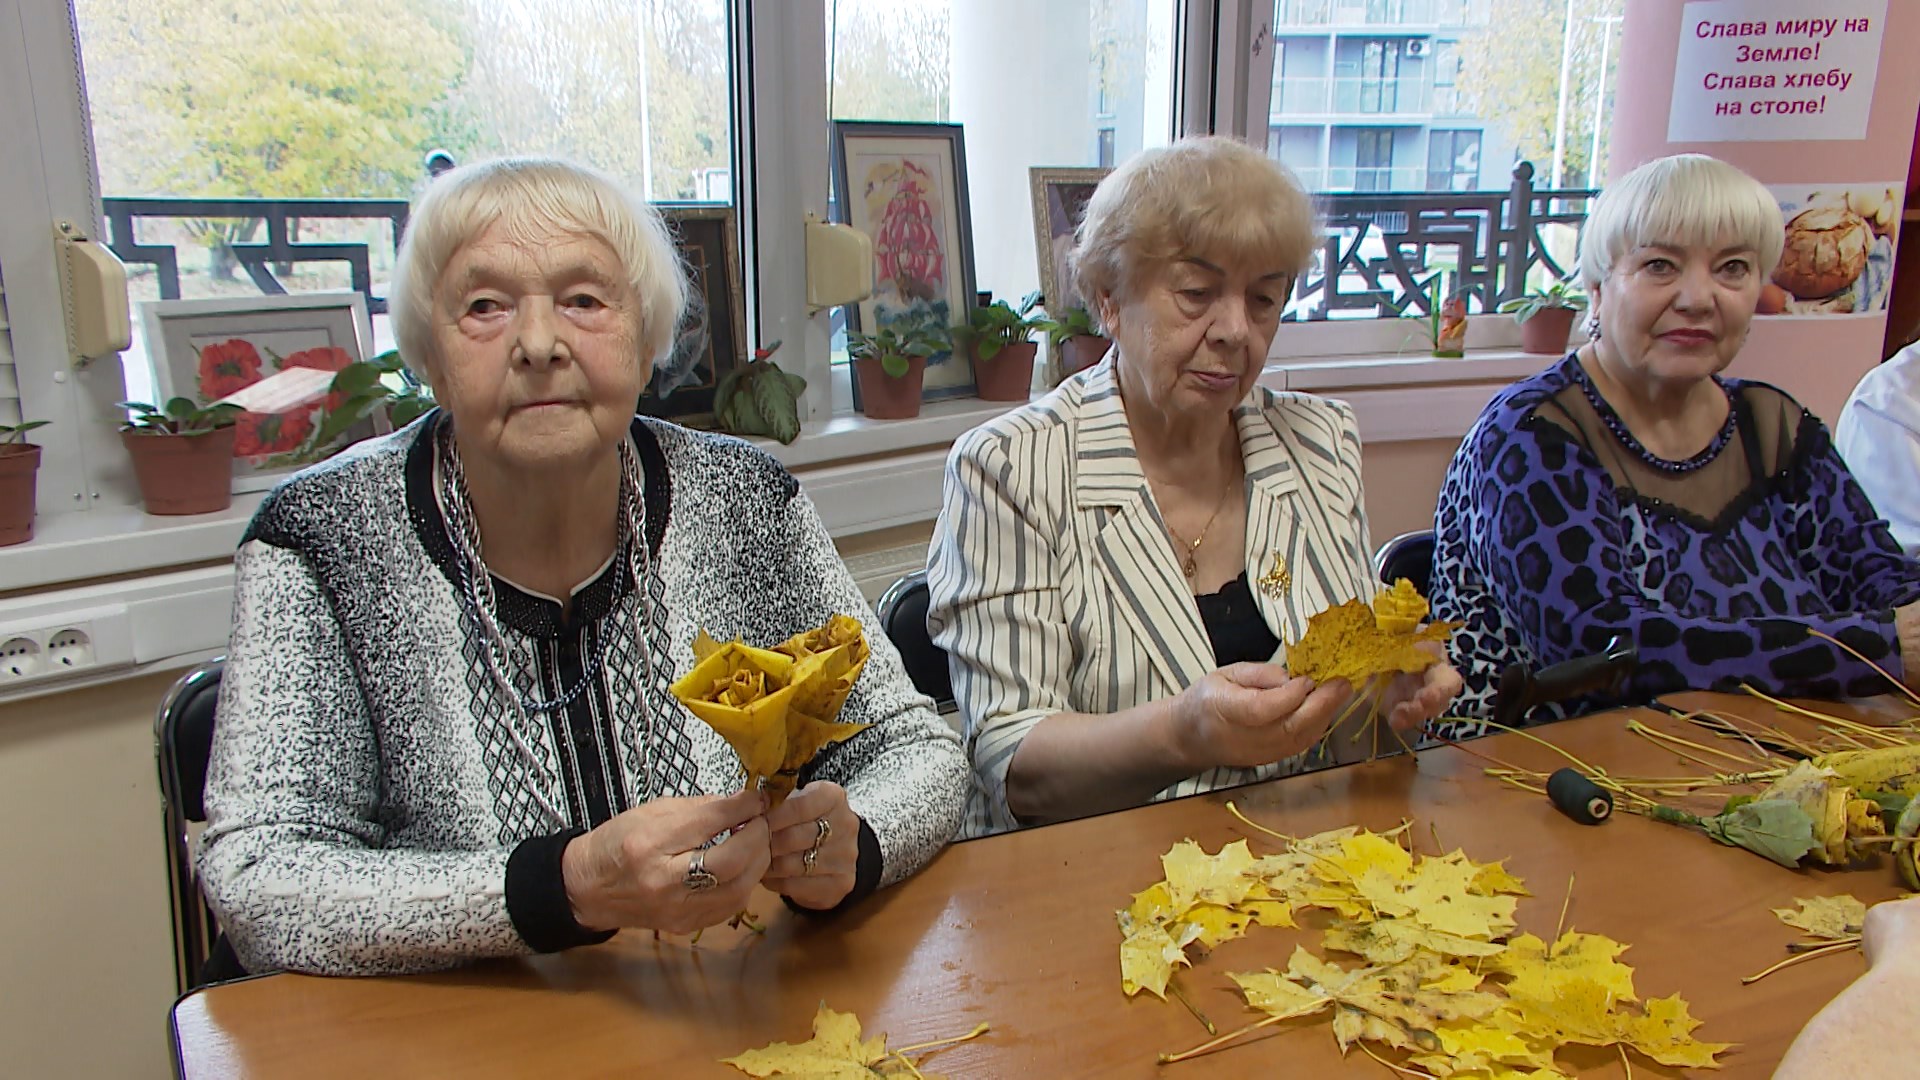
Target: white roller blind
{"type": "Point", "coordinates": [9, 384]}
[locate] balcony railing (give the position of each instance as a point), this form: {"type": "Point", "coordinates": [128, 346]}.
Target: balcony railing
{"type": "Point", "coordinates": [1383, 251]}
{"type": "Point", "coordinates": [1382, 248]}
{"type": "Point", "coordinates": [228, 228]}
{"type": "Point", "coordinates": [1304, 95]}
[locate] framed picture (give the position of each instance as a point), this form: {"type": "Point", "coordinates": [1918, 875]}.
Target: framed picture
{"type": "Point", "coordinates": [276, 357]}
{"type": "Point", "coordinates": [1059, 202]}
{"type": "Point", "coordinates": [711, 339]}
{"type": "Point", "coordinates": [905, 185]}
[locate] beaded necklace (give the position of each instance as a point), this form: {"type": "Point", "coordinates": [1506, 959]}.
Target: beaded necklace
{"type": "Point", "coordinates": [503, 655]}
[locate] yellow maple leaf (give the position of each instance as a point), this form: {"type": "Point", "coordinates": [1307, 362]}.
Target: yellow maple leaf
{"type": "Point", "coordinates": [1492, 878]}
{"type": "Point", "coordinates": [1391, 941]}
{"type": "Point", "coordinates": [1195, 876]}
{"type": "Point", "coordinates": [1216, 924]}
{"type": "Point", "coordinates": [836, 1050]}
{"type": "Point", "coordinates": [1395, 1004]}
{"type": "Point", "coordinates": [1665, 1034]}
{"type": "Point", "coordinates": [1828, 917]}
{"type": "Point", "coordinates": [1538, 973]}
{"type": "Point", "coordinates": [1148, 954]}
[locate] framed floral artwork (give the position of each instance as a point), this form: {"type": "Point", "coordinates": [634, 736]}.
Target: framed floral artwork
{"type": "Point", "coordinates": [711, 339]}
{"type": "Point", "coordinates": [905, 185]}
{"type": "Point", "coordinates": [276, 357]}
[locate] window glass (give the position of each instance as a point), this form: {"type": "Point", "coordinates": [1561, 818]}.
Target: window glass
{"type": "Point", "coordinates": [353, 103]}
{"type": "Point", "coordinates": [1081, 83]}
{"type": "Point", "coordinates": [1444, 65]}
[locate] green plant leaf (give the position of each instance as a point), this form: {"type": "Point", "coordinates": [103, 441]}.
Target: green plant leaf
{"type": "Point", "coordinates": [1772, 828]}
{"type": "Point", "coordinates": [776, 405]}
{"type": "Point", "coordinates": [989, 348]}
{"type": "Point", "coordinates": [894, 365]}
{"type": "Point", "coordinates": [723, 391]}
{"type": "Point", "coordinates": [357, 379]}
{"type": "Point", "coordinates": [181, 409]}
{"type": "Point", "coordinates": [796, 385]}
{"type": "Point", "coordinates": [335, 424]}
{"type": "Point", "coordinates": [405, 410]}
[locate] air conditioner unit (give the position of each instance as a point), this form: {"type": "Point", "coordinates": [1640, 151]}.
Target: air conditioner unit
{"type": "Point", "coordinates": [1418, 47]}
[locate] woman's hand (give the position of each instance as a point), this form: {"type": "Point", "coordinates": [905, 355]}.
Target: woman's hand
{"type": "Point", "coordinates": [824, 879]}
{"type": "Point", "coordinates": [1411, 701]}
{"type": "Point", "coordinates": [1891, 935]}
{"type": "Point", "coordinates": [1245, 715]}
{"type": "Point", "coordinates": [632, 870]}
{"type": "Point", "coordinates": [1906, 625]}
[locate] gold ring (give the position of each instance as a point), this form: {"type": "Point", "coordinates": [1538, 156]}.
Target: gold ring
{"type": "Point", "coordinates": [822, 828]}
{"type": "Point", "coordinates": [806, 860]}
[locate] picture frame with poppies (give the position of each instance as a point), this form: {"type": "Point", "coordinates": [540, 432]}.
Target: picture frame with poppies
{"type": "Point", "coordinates": [273, 355]}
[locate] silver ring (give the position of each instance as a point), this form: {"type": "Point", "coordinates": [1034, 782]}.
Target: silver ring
{"type": "Point", "coordinates": [807, 860]}
{"type": "Point", "coordinates": [822, 828]}
{"type": "Point", "coordinates": [699, 878]}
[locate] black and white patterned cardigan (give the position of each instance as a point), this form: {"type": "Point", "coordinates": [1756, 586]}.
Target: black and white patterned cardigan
{"type": "Point", "coordinates": [371, 805]}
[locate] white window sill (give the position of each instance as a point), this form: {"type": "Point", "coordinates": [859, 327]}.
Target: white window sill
{"type": "Point", "coordinates": [122, 540]}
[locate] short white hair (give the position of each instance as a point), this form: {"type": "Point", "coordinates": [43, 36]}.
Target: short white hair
{"type": "Point", "coordinates": [529, 195]}
{"type": "Point", "coordinates": [1686, 200]}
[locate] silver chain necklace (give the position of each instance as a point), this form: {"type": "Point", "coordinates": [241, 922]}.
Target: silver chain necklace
{"type": "Point", "coordinates": [503, 655]}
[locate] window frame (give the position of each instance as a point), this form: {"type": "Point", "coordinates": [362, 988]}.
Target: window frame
{"type": "Point", "coordinates": [89, 518]}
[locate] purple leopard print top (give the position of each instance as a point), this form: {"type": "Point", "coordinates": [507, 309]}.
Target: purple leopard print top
{"type": "Point", "coordinates": [1551, 538]}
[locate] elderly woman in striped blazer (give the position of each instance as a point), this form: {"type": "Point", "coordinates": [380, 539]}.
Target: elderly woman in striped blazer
{"type": "Point", "coordinates": [1118, 563]}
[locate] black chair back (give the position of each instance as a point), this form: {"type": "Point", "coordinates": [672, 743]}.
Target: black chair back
{"type": "Point", "coordinates": [183, 743]}
{"type": "Point", "coordinates": [903, 615]}
{"type": "Point", "coordinates": [1410, 556]}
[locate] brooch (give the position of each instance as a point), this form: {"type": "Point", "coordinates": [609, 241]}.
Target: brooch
{"type": "Point", "coordinates": [1276, 580]}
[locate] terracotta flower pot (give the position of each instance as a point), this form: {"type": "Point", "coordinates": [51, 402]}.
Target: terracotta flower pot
{"type": "Point", "coordinates": [183, 474]}
{"type": "Point", "coordinates": [884, 397]}
{"type": "Point", "coordinates": [1008, 376]}
{"type": "Point", "coordinates": [1080, 352]}
{"type": "Point", "coordinates": [1546, 333]}
{"type": "Point", "coordinates": [19, 466]}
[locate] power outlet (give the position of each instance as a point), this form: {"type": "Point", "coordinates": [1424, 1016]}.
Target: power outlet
{"type": "Point", "coordinates": [66, 644]}
{"type": "Point", "coordinates": [20, 658]}
{"type": "Point", "coordinates": [70, 649]}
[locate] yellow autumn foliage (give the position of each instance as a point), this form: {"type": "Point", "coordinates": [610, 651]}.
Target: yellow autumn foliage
{"type": "Point", "coordinates": [777, 707]}
{"type": "Point", "coordinates": [1355, 642]}
{"type": "Point", "coordinates": [1439, 974]}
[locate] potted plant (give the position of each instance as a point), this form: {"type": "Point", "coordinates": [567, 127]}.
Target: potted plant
{"type": "Point", "coordinates": [759, 398]}
{"type": "Point", "coordinates": [890, 364]}
{"type": "Point", "coordinates": [1075, 339]}
{"type": "Point", "coordinates": [19, 467]}
{"type": "Point", "coordinates": [1546, 317]}
{"type": "Point", "coordinates": [182, 455]}
{"type": "Point", "coordinates": [1001, 339]}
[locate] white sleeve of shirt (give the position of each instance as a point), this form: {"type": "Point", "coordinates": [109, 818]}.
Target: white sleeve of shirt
{"type": "Point", "coordinates": [1879, 438]}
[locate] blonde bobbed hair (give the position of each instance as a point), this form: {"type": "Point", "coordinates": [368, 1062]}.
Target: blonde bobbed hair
{"type": "Point", "coordinates": [1209, 196]}
{"type": "Point", "coordinates": [530, 196]}
{"type": "Point", "coordinates": [1686, 200]}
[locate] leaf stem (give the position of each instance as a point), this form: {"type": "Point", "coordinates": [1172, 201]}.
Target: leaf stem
{"type": "Point", "coordinates": [1828, 950]}
{"type": "Point", "coordinates": [1903, 687]}
{"type": "Point", "coordinates": [1811, 946]}
{"type": "Point", "coordinates": [1180, 995]}
{"type": "Point", "coordinates": [1214, 1044]}
{"type": "Point", "coordinates": [1401, 1069]}
{"type": "Point", "coordinates": [978, 1031]}
{"type": "Point", "coordinates": [1244, 820]}
{"type": "Point", "coordinates": [1559, 929]}
{"type": "Point", "coordinates": [1529, 736]}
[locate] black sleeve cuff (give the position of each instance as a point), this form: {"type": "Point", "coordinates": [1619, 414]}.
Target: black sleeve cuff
{"type": "Point", "coordinates": [537, 895]}
{"type": "Point", "coordinates": [866, 875]}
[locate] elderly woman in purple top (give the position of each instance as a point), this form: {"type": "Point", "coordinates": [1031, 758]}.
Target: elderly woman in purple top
{"type": "Point", "coordinates": [1629, 489]}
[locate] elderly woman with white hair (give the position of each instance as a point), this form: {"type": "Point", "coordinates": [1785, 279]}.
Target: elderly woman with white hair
{"type": "Point", "coordinates": [445, 730]}
{"type": "Point", "coordinates": [1117, 564]}
{"type": "Point", "coordinates": [1630, 490]}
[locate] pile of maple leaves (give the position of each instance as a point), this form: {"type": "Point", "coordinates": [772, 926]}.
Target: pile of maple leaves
{"type": "Point", "coordinates": [1437, 975]}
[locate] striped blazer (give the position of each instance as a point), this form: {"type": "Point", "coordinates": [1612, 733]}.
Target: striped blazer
{"type": "Point", "coordinates": [1054, 585]}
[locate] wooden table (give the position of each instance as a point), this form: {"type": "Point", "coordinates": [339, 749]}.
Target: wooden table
{"type": "Point", "coordinates": [1018, 930]}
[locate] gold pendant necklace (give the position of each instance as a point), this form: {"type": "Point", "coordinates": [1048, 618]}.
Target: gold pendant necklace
{"type": "Point", "coordinates": [1190, 559]}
